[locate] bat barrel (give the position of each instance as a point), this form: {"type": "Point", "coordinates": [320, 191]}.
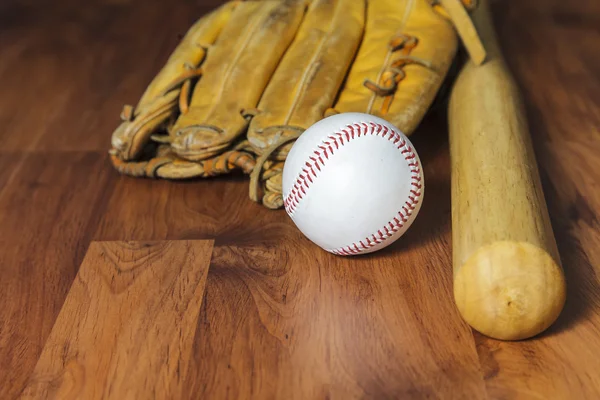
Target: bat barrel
{"type": "Point", "coordinates": [508, 278]}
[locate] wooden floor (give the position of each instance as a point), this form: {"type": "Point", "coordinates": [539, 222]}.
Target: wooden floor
{"type": "Point", "coordinates": [188, 289]}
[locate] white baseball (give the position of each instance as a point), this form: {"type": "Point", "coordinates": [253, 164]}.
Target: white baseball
{"type": "Point", "coordinates": [352, 183]}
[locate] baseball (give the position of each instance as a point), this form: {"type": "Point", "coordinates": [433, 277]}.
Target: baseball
{"type": "Point", "coordinates": [352, 183]}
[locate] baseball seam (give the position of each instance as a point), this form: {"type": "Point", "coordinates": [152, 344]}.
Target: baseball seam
{"type": "Point", "coordinates": [327, 148]}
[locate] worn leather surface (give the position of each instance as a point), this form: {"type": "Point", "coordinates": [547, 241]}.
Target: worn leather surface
{"type": "Point", "coordinates": [159, 103]}
{"type": "Point", "coordinates": [251, 76]}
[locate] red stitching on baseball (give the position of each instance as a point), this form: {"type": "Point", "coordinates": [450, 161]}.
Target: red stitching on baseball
{"type": "Point", "coordinates": [298, 191]}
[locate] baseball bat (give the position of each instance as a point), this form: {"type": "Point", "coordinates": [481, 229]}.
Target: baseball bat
{"type": "Point", "coordinates": [508, 278]}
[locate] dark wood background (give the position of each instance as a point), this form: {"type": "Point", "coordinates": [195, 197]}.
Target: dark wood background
{"type": "Point", "coordinates": [278, 318]}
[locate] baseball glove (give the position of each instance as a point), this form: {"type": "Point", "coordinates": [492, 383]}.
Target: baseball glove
{"type": "Point", "coordinates": [249, 77]}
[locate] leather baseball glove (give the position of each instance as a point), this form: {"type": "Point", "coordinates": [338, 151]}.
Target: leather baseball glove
{"type": "Point", "coordinates": [249, 77]}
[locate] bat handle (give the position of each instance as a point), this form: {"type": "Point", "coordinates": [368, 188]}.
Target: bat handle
{"type": "Point", "coordinates": [508, 278]}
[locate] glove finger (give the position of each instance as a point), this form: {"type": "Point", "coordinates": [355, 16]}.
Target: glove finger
{"type": "Point", "coordinates": [235, 75]}
{"type": "Point", "coordinates": [403, 59]}
{"type": "Point", "coordinates": [159, 101]}
{"type": "Point", "coordinates": [273, 200]}
{"type": "Point", "coordinates": [272, 197]}
{"type": "Point", "coordinates": [310, 74]}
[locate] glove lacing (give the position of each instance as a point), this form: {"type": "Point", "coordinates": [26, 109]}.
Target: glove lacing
{"type": "Point", "coordinates": [255, 177]}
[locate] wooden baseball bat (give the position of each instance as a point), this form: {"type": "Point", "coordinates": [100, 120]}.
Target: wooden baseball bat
{"type": "Point", "coordinates": [508, 277]}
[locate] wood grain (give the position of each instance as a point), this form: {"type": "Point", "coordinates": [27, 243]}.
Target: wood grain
{"type": "Point", "coordinates": [48, 208]}
{"type": "Point", "coordinates": [508, 279]}
{"type": "Point", "coordinates": [377, 327]}
{"type": "Point", "coordinates": [127, 325]}
{"type": "Point", "coordinates": [328, 328]}
{"type": "Point", "coordinates": [156, 210]}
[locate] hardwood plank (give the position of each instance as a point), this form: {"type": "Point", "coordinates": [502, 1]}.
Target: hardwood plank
{"type": "Point", "coordinates": [284, 320]}
{"type": "Point", "coordinates": [47, 215]}
{"type": "Point", "coordinates": [127, 325]}
{"type": "Point", "coordinates": [145, 209]}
